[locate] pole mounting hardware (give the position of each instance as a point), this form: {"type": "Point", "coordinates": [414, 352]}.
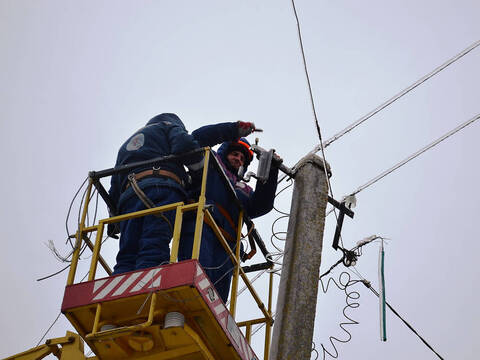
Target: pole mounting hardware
{"type": "Point", "coordinates": [344, 210]}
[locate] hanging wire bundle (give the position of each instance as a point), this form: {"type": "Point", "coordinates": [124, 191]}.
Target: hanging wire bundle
{"type": "Point", "coordinates": [352, 297]}
{"type": "Point", "coordinates": [51, 245]}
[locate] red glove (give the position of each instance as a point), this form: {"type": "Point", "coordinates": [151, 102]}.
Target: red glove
{"type": "Point", "coordinates": [245, 128]}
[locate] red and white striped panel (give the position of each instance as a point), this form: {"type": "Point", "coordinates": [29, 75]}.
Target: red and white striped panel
{"type": "Point", "coordinates": [222, 315]}
{"type": "Point", "coordinates": [107, 289]}
{"type": "Point", "coordinates": [128, 284]}
{"type": "Point", "coordinates": [159, 278]}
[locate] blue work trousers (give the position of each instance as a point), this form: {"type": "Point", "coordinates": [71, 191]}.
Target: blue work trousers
{"type": "Point", "coordinates": [144, 241]}
{"type": "Point", "coordinates": [213, 257]}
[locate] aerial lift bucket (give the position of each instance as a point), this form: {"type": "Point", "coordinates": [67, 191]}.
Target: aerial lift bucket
{"type": "Point", "coordinates": [166, 312]}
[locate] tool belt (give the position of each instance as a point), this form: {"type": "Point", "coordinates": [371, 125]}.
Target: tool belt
{"type": "Point", "coordinates": [156, 173]}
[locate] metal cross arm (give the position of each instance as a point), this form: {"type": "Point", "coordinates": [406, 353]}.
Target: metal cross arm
{"type": "Point", "coordinates": [343, 210]}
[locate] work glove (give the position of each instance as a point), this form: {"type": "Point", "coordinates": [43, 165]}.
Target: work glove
{"type": "Point", "coordinates": [245, 128]}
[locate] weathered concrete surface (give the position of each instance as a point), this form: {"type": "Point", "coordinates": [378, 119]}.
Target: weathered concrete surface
{"type": "Point", "coordinates": [297, 296]}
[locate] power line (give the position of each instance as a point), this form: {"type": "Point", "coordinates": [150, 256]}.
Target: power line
{"type": "Point", "coordinates": [60, 313]}
{"type": "Point", "coordinates": [414, 155]}
{"type": "Point", "coordinates": [368, 285]}
{"type": "Point", "coordinates": [49, 328]}
{"type": "Point", "coordinates": [395, 98]}
{"type": "Point", "coordinates": [299, 32]}
{"type": "Point", "coordinates": [70, 209]}
{"type": "Point", "coordinates": [371, 182]}
{"type": "Point", "coordinates": [54, 274]}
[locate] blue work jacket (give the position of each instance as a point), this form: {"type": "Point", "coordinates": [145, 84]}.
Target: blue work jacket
{"type": "Point", "coordinates": [255, 202]}
{"type": "Point", "coordinates": [163, 135]}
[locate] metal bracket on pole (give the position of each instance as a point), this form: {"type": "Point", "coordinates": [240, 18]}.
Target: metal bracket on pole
{"type": "Point", "coordinates": [343, 211]}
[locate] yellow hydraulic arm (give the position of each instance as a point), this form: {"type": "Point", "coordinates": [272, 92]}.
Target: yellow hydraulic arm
{"type": "Point", "coordinates": [69, 347]}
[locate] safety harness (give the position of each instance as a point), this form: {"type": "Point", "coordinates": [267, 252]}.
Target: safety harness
{"type": "Point", "coordinates": [229, 219]}
{"type": "Point", "coordinates": [228, 236]}
{"type": "Point", "coordinates": [132, 180]}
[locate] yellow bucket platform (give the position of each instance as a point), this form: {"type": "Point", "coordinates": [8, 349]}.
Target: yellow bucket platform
{"type": "Point", "coordinates": [166, 312]}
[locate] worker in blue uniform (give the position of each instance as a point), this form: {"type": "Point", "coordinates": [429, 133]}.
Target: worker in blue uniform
{"type": "Point", "coordinates": [233, 154]}
{"type": "Point", "coordinates": [144, 241]}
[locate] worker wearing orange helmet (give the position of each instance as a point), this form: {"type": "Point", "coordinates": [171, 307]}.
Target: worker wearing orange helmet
{"type": "Point", "coordinates": [234, 156]}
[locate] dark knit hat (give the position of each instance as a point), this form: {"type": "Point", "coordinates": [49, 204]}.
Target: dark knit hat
{"type": "Point", "coordinates": [244, 146]}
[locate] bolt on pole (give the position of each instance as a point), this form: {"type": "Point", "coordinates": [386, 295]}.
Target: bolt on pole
{"type": "Point", "coordinates": [297, 295]}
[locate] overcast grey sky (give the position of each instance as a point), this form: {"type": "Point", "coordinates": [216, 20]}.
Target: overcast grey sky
{"type": "Point", "coordinates": [78, 77]}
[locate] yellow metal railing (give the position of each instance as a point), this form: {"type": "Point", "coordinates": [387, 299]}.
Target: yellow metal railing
{"type": "Point", "coordinates": [180, 208]}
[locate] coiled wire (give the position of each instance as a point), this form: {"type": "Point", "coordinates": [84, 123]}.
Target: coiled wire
{"type": "Point", "coordinates": [351, 300]}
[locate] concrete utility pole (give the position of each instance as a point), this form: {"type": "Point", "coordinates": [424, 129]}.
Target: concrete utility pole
{"type": "Point", "coordinates": [297, 296]}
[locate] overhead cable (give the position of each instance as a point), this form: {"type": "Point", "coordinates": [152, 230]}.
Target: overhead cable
{"type": "Point", "coordinates": [394, 98]}
{"type": "Point", "coordinates": [49, 328]}
{"type": "Point", "coordinates": [414, 155]}
{"type": "Point", "coordinates": [299, 32]}
{"type": "Point", "coordinates": [70, 209]}
{"type": "Point", "coordinates": [368, 285]}
{"type": "Point", "coordinates": [356, 249]}
{"type": "Point", "coordinates": [54, 274]}
{"type": "Point", "coordinates": [59, 313]}
{"type": "Point", "coordinates": [313, 106]}
{"type": "Point", "coordinates": [306, 71]}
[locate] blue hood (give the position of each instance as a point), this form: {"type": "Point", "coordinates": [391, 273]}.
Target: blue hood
{"type": "Point", "coordinates": [169, 117]}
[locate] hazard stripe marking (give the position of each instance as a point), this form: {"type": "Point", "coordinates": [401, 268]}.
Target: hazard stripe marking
{"type": "Point", "coordinates": [109, 287]}
{"type": "Point", "coordinates": [145, 280]}
{"type": "Point", "coordinates": [156, 283]}
{"type": "Point", "coordinates": [234, 331]}
{"type": "Point", "coordinates": [199, 271]}
{"type": "Point", "coordinates": [219, 309]}
{"type": "Point", "coordinates": [223, 321]}
{"type": "Point", "coordinates": [203, 284]}
{"type": "Point", "coordinates": [98, 284]}
{"type": "Point", "coordinates": [127, 283]}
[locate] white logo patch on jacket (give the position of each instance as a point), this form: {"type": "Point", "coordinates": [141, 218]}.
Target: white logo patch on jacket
{"type": "Point", "coordinates": [136, 142]}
